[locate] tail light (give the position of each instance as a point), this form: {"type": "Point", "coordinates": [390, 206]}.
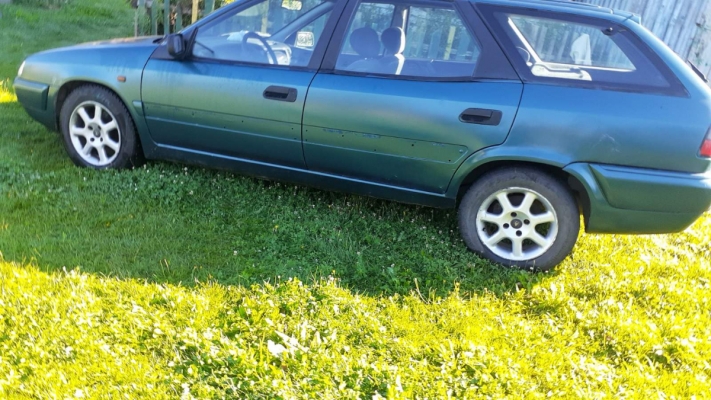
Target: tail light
{"type": "Point", "coordinates": [706, 146]}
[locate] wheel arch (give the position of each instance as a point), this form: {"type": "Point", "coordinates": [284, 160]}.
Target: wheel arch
{"type": "Point", "coordinates": [70, 86]}
{"type": "Point", "coordinates": [478, 166]}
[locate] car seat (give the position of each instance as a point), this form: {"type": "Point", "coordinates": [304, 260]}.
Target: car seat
{"type": "Point", "coordinates": [365, 42]}
{"type": "Point", "coordinates": [393, 40]}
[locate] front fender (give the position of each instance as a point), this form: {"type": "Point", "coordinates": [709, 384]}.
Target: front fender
{"type": "Point", "coordinates": [118, 67]}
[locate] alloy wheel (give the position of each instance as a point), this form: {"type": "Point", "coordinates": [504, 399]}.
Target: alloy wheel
{"type": "Point", "coordinates": [517, 224]}
{"type": "Point", "coordinates": [95, 133]}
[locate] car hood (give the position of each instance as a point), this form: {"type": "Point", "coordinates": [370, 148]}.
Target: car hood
{"type": "Point", "coordinates": [119, 56]}
{"type": "Point", "coordinates": [139, 44]}
{"type": "Point", "coordinates": [142, 41]}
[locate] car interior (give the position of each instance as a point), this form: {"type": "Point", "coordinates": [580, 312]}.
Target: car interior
{"type": "Point", "coordinates": [383, 38]}
{"type": "Point", "coordinates": [408, 39]}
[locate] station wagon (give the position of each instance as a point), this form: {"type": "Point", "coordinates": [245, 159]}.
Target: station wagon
{"type": "Point", "coordinates": [527, 116]}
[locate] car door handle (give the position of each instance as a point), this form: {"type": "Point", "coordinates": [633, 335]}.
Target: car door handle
{"type": "Point", "coordinates": [280, 93]}
{"type": "Point", "coordinates": [480, 116]}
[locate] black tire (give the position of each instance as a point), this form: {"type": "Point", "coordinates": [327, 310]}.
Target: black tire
{"type": "Point", "coordinates": [124, 137]}
{"type": "Point", "coordinates": [516, 183]}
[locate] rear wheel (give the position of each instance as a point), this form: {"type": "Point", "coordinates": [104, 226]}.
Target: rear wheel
{"type": "Point", "coordinates": [98, 130]}
{"type": "Point", "coordinates": [520, 217]}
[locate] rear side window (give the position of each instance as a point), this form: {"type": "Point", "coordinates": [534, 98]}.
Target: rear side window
{"type": "Point", "coordinates": [377, 16]}
{"type": "Point", "coordinates": [553, 41]}
{"type": "Point", "coordinates": [438, 34]}
{"type": "Point", "coordinates": [575, 50]}
{"type": "Point", "coordinates": [400, 38]}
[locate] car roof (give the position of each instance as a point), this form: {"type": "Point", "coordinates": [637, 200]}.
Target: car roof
{"type": "Point", "coordinates": [566, 6]}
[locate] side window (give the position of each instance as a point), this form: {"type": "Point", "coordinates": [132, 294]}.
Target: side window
{"type": "Point", "coordinates": [582, 51]}
{"type": "Point", "coordinates": [560, 42]}
{"type": "Point", "coordinates": [306, 37]}
{"type": "Point", "coordinates": [439, 34]}
{"type": "Point", "coordinates": [370, 16]}
{"type": "Point", "coordinates": [265, 33]}
{"type": "Point", "coordinates": [408, 40]}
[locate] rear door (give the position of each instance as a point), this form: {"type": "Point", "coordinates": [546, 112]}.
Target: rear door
{"type": "Point", "coordinates": [408, 90]}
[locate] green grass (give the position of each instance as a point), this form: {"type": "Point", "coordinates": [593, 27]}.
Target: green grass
{"type": "Point", "coordinates": [169, 281]}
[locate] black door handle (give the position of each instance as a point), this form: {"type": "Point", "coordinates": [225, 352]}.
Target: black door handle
{"type": "Point", "coordinates": [480, 116]}
{"type": "Point", "coordinates": [280, 93]}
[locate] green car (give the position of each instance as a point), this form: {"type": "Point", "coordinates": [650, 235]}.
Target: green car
{"type": "Point", "coordinates": [523, 114]}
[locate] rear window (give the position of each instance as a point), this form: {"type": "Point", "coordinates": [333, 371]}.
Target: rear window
{"type": "Point", "coordinates": [554, 41]}
{"type": "Point", "coordinates": [575, 50]}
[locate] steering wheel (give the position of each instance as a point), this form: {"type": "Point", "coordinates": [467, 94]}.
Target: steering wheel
{"type": "Point", "coordinates": [270, 52]}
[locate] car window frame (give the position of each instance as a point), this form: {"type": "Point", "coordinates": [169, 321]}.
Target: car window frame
{"type": "Point", "coordinates": [317, 56]}
{"type": "Point", "coordinates": [488, 11]}
{"type": "Point", "coordinates": [492, 63]}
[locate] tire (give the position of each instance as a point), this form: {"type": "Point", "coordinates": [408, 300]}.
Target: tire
{"type": "Point", "coordinates": [98, 130]}
{"type": "Point", "coordinates": [520, 205]}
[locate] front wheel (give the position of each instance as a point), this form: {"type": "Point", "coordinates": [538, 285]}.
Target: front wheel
{"type": "Point", "coordinates": [520, 217]}
{"type": "Point", "coordinates": [98, 130]}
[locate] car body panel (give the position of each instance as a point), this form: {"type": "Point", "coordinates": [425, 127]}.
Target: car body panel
{"type": "Point", "coordinates": [33, 96]}
{"type": "Point", "coordinates": [664, 191]}
{"type": "Point", "coordinates": [633, 156]}
{"type": "Point", "coordinates": [305, 177]}
{"type": "Point", "coordinates": [611, 127]}
{"type": "Point", "coordinates": [31, 93]}
{"type": "Point", "coordinates": [602, 217]}
{"type": "Point", "coordinates": [97, 62]}
{"type": "Point", "coordinates": [228, 113]}
{"type": "Point", "coordinates": [400, 132]}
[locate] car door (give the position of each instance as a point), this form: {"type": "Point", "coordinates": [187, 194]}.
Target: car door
{"type": "Point", "coordinates": [407, 91]}
{"type": "Point", "coordinates": [241, 90]}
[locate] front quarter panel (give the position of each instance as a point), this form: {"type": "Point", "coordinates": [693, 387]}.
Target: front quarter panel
{"type": "Point", "coordinates": [98, 63]}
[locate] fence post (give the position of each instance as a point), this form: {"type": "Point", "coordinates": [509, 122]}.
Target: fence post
{"type": "Point", "coordinates": [178, 17]}
{"type": "Point", "coordinates": [195, 11]}
{"type": "Point", "coordinates": [137, 17]}
{"type": "Point", "coordinates": [209, 6]}
{"type": "Point", "coordinates": [154, 20]}
{"type": "Point", "coordinates": [166, 17]}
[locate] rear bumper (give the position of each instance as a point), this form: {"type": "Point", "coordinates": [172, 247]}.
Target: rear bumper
{"type": "Point", "coordinates": [34, 98]}
{"type": "Point", "coordinates": [636, 200]}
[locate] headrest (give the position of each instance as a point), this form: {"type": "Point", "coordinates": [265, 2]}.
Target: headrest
{"type": "Point", "coordinates": [394, 40]}
{"type": "Point", "coordinates": [365, 42]}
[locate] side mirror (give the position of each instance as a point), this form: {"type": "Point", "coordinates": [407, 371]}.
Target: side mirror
{"type": "Point", "coordinates": [176, 46]}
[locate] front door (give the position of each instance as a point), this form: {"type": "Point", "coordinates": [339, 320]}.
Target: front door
{"type": "Point", "coordinates": [416, 87]}
{"type": "Point", "coordinates": [241, 91]}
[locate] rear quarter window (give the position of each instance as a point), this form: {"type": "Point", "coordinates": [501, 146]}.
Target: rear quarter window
{"type": "Point", "coordinates": [567, 49]}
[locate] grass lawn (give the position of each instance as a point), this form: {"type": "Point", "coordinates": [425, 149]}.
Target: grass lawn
{"type": "Point", "coordinates": [170, 281]}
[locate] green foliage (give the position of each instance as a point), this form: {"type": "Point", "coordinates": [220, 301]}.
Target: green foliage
{"type": "Point", "coordinates": [178, 278]}
{"type": "Point", "coordinates": [634, 326]}
{"type": "Point", "coordinates": [41, 3]}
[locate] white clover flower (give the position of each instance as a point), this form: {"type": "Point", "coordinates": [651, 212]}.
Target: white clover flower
{"type": "Point", "coordinates": [275, 348]}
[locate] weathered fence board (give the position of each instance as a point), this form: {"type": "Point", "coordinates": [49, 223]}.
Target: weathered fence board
{"type": "Point", "coordinates": [684, 25]}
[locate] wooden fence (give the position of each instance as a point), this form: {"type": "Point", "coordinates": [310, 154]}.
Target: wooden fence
{"type": "Point", "coordinates": [166, 16]}
{"type": "Point", "coordinates": [684, 25]}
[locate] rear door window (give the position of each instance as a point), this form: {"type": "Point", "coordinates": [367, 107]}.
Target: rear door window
{"type": "Point", "coordinates": [412, 40]}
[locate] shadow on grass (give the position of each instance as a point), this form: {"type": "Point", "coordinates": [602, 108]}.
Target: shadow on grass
{"type": "Point", "coordinates": [180, 224]}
